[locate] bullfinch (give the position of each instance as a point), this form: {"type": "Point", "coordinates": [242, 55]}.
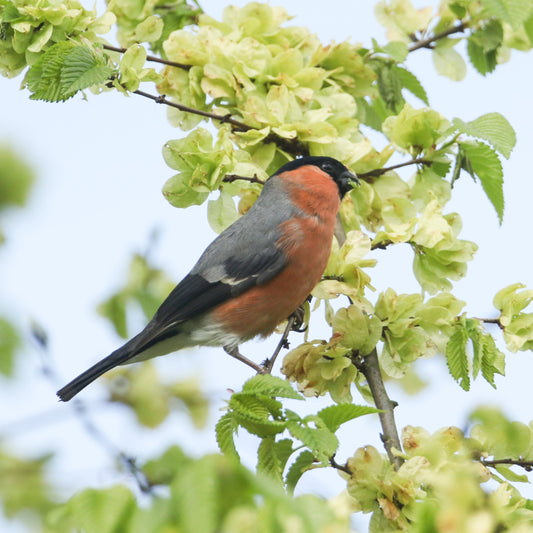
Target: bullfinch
{"type": "Point", "coordinates": [253, 276]}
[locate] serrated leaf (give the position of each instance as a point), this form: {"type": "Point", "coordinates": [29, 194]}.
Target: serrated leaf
{"type": "Point", "coordinates": [284, 449]}
{"type": "Point", "coordinates": [390, 86]}
{"type": "Point", "coordinates": [225, 429]}
{"type": "Point", "coordinates": [268, 461]}
{"type": "Point", "coordinates": [483, 62]}
{"type": "Point", "coordinates": [487, 167]}
{"type": "Point", "coordinates": [492, 360]}
{"type": "Point", "coordinates": [457, 359]}
{"type": "Point", "coordinates": [64, 69]}
{"type": "Point", "coordinates": [301, 465]}
{"type": "Point", "coordinates": [82, 69]}
{"type": "Point", "coordinates": [321, 440]}
{"type": "Point", "coordinates": [478, 341]}
{"type": "Point", "coordinates": [270, 386]}
{"type": "Point", "coordinates": [336, 415]}
{"type": "Point", "coordinates": [493, 128]}
{"type": "Point", "coordinates": [411, 83]}
{"type": "Point", "coordinates": [514, 12]}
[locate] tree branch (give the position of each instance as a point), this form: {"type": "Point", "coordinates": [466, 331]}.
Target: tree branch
{"type": "Point", "coordinates": [369, 366]}
{"type": "Point", "coordinates": [427, 42]}
{"type": "Point", "coordinates": [380, 171]}
{"type": "Point", "coordinates": [293, 146]}
{"type": "Point", "coordinates": [268, 364]}
{"type": "Point", "coordinates": [526, 465]}
{"type": "Point", "coordinates": [491, 321]}
{"type": "Point", "coordinates": [154, 59]}
{"type": "Point", "coordinates": [80, 409]}
{"type": "Point", "coordinates": [230, 178]}
{"type": "Point", "coordinates": [160, 99]}
{"type": "Point", "coordinates": [342, 468]}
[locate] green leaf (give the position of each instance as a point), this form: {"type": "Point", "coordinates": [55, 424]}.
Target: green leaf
{"type": "Point", "coordinates": [493, 128]}
{"type": "Point", "coordinates": [411, 83]}
{"type": "Point", "coordinates": [320, 440]}
{"type": "Point", "coordinates": [509, 475]}
{"type": "Point", "coordinates": [302, 464]}
{"type": "Point", "coordinates": [82, 69]}
{"type": "Point", "coordinates": [221, 212]}
{"type": "Point", "coordinates": [102, 511]}
{"type": "Point", "coordinates": [483, 62]}
{"type": "Point", "coordinates": [448, 62]}
{"type": "Point", "coordinates": [198, 482]}
{"type": "Point", "coordinates": [397, 50]}
{"type": "Point", "coordinates": [225, 429]}
{"type": "Point", "coordinates": [336, 415]}
{"type": "Point", "coordinates": [16, 178]}
{"type": "Point", "coordinates": [514, 12]}
{"type": "Point", "coordinates": [64, 69]}
{"type": "Point", "coordinates": [9, 343]}
{"type": "Point", "coordinates": [457, 359]}
{"type": "Point", "coordinates": [268, 461]}
{"type": "Point", "coordinates": [390, 85]}
{"type": "Point", "coordinates": [487, 167]}
{"type": "Point", "coordinates": [492, 360]}
{"type": "Point", "coordinates": [163, 469]}
{"type": "Point", "coordinates": [270, 386]}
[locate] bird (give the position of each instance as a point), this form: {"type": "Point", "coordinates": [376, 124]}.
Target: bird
{"type": "Point", "coordinates": [252, 277]}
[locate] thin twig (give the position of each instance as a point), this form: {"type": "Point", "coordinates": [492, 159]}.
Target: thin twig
{"type": "Point", "coordinates": [491, 321]}
{"type": "Point", "coordinates": [526, 465]}
{"type": "Point", "coordinates": [154, 59]}
{"type": "Point", "coordinates": [268, 364]}
{"type": "Point", "coordinates": [292, 146]}
{"type": "Point", "coordinates": [380, 171]}
{"type": "Point", "coordinates": [427, 42]}
{"type": "Point", "coordinates": [160, 99]}
{"type": "Point", "coordinates": [230, 178]}
{"type": "Point", "coordinates": [342, 468]}
{"type": "Point", "coordinates": [369, 366]}
{"type": "Point", "coordinates": [80, 409]}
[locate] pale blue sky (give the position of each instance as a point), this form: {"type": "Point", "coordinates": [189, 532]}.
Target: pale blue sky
{"type": "Point", "coordinates": [98, 198]}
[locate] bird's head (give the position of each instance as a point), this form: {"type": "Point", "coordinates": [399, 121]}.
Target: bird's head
{"type": "Point", "coordinates": [343, 178]}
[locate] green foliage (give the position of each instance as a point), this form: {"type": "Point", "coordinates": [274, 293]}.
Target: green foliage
{"type": "Point", "coordinates": [145, 288]}
{"type": "Point", "coordinates": [29, 30]}
{"type": "Point", "coordinates": [151, 399]}
{"type": "Point", "coordinates": [232, 500]}
{"type": "Point", "coordinates": [517, 326]}
{"type": "Point", "coordinates": [256, 409]}
{"type": "Point", "coordinates": [64, 69]}
{"type": "Point", "coordinates": [16, 179]}
{"type": "Point", "coordinates": [23, 486]}
{"type": "Point", "coordinates": [486, 356]}
{"type": "Point", "coordinates": [9, 343]}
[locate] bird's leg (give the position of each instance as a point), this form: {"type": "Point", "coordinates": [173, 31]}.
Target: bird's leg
{"type": "Point", "coordinates": [234, 352]}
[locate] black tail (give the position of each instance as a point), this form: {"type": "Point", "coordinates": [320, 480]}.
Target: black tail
{"type": "Point", "coordinates": [114, 359]}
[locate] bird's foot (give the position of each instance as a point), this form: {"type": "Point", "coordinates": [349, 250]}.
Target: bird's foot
{"type": "Point", "coordinates": [234, 352]}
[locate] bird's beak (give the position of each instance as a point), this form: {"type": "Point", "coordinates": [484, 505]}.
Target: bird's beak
{"type": "Point", "coordinates": [346, 181]}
